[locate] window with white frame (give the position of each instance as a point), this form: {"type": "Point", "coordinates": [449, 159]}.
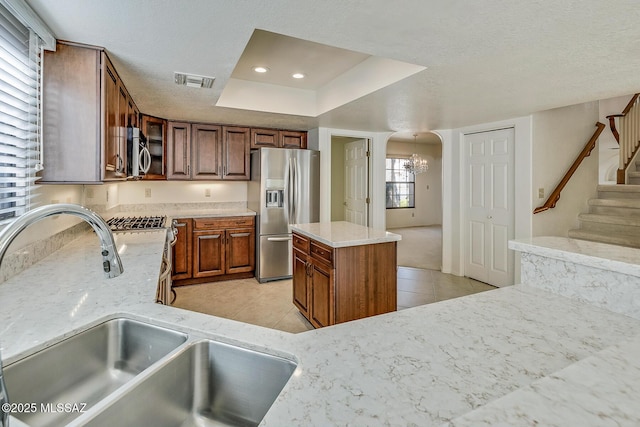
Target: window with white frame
{"type": "Point", "coordinates": [20, 53]}
{"type": "Point", "coordinates": [400, 184]}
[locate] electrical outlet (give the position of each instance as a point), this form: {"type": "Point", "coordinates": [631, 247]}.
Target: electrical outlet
{"type": "Point", "coordinates": [107, 195]}
{"type": "Point", "coordinates": [90, 194]}
{"type": "Point", "coordinates": [540, 193]}
{"type": "Point", "coordinates": [147, 192]}
{"type": "Point", "coordinates": [207, 192]}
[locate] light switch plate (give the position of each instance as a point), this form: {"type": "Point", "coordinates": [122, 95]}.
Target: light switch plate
{"type": "Point", "coordinates": [540, 193]}
{"type": "Point", "coordinates": [147, 192]}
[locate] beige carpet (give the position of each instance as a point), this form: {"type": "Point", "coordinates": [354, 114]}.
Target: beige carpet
{"type": "Point", "coordinates": [420, 247]}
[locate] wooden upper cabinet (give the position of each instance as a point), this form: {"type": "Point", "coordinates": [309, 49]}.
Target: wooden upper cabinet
{"type": "Point", "coordinates": [292, 139]}
{"type": "Point", "coordinates": [155, 129]}
{"type": "Point", "coordinates": [113, 159]}
{"type": "Point", "coordinates": [133, 115]}
{"type": "Point", "coordinates": [236, 152]}
{"type": "Point", "coordinates": [264, 138]}
{"type": "Point", "coordinates": [278, 138]}
{"type": "Point", "coordinates": [86, 109]}
{"type": "Point", "coordinates": [72, 115]}
{"type": "Point", "coordinates": [206, 152]}
{"type": "Point", "coordinates": [178, 150]}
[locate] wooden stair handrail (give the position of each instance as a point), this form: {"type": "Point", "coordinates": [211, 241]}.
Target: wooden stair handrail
{"type": "Point", "coordinates": [612, 117]}
{"type": "Point", "coordinates": [586, 151]}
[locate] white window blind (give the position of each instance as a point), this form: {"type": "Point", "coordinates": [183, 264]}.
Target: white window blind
{"type": "Point", "coordinates": [20, 53]}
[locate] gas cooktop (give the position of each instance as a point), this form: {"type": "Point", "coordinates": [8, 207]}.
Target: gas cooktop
{"type": "Point", "coordinates": [132, 223]}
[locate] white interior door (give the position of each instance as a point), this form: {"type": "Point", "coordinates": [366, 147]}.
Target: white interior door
{"type": "Point", "coordinates": [489, 206]}
{"type": "Point", "coordinates": [356, 191]}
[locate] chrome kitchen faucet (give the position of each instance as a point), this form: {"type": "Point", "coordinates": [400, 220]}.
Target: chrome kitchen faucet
{"type": "Point", "coordinates": [111, 264]}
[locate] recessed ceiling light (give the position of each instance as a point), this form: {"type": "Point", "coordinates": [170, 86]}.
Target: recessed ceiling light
{"type": "Point", "coordinates": [297, 75]}
{"type": "Point", "coordinates": [260, 69]}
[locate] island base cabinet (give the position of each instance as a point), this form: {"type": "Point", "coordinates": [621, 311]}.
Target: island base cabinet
{"type": "Point", "coordinates": [300, 282]}
{"type": "Point", "coordinates": [336, 285]}
{"type": "Point", "coordinates": [322, 299]}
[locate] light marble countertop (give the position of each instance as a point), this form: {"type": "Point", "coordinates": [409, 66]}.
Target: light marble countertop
{"type": "Point", "coordinates": [592, 254]}
{"type": "Point", "coordinates": [339, 234]}
{"type": "Point", "coordinates": [423, 366]}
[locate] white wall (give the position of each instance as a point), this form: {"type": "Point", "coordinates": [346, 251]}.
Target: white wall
{"type": "Point", "coordinates": [428, 188]}
{"type": "Point", "coordinates": [337, 176]}
{"type": "Point", "coordinates": [181, 192]}
{"type": "Point", "coordinates": [320, 139]}
{"type": "Point", "coordinates": [559, 135]}
{"type": "Point", "coordinates": [608, 146]}
{"type": "Point", "coordinates": [44, 195]}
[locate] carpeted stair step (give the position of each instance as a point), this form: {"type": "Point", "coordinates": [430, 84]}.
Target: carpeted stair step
{"type": "Point", "coordinates": [611, 238]}
{"type": "Point", "coordinates": [627, 191]}
{"type": "Point", "coordinates": [620, 207]}
{"type": "Point", "coordinates": [633, 178]}
{"type": "Point", "coordinates": [613, 224]}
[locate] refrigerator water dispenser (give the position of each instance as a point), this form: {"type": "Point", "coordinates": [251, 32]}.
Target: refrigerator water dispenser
{"type": "Point", "coordinates": [275, 198]}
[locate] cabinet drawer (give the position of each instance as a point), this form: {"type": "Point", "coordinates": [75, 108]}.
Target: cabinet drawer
{"type": "Point", "coordinates": [301, 243]}
{"type": "Point", "coordinates": [222, 222]}
{"type": "Point", "coordinates": [321, 252]}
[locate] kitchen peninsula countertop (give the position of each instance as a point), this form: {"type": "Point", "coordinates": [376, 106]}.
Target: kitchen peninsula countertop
{"type": "Point", "coordinates": [339, 234]}
{"type": "Point", "coordinates": [496, 356]}
{"type": "Point", "coordinates": [592, 254]}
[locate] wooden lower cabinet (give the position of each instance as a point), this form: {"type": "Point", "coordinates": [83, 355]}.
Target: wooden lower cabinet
{"type": "Point", "coordinates": [181, 253]}
{"type": "Point", "coordinates": [335, 285]}
{"type": "Point", "coordinates": [321, 295]}
{"type": "Point", "coordinates": [222, 248]}
{"type": "Point", "coordinates": [208, 253]}
{"type": "Point", "coordinates": [301, 281]}
{"type": "Point", "coordinates": [241, 249]}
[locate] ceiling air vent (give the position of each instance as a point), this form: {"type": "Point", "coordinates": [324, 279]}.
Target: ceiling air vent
{"type": "Point", "coordinates": [193, 80]}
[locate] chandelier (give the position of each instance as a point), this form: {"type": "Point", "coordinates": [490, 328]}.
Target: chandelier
{"type": "Point", "coordinates": [416, 164]}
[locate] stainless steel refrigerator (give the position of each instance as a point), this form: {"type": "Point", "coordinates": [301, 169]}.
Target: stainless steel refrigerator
{"type": "Point", "coordinates": [284, 190]}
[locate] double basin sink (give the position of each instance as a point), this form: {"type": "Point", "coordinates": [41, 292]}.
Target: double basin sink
{"type": "Point", "coordinates": [128, 373]}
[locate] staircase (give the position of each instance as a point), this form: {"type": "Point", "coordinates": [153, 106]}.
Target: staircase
{"type": "Point", "coordinates": [614, 217]}
{"type": "Point", "coordinates": [634, 176]}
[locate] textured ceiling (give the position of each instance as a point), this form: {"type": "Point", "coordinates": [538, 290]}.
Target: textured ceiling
{"type": "Point", "coordinates": [486, 61]}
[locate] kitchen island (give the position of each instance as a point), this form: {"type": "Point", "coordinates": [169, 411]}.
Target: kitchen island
{"type": "Point", "coordinates": [484, 359]}
{"type": "Point", "coordinates": [343, 271]}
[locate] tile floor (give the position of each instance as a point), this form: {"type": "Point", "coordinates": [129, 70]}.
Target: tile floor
{"type": "Point", "coordinates": [270, 305]}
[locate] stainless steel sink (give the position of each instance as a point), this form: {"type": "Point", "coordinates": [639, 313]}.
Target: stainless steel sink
{"type": "Point", "coordinates": [207, 384]}
{"type": "Point", "coordinates": [85, 368]}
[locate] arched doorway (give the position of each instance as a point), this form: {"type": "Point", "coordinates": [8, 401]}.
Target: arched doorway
{"type": "Point", "coordinates": [414, 207]}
